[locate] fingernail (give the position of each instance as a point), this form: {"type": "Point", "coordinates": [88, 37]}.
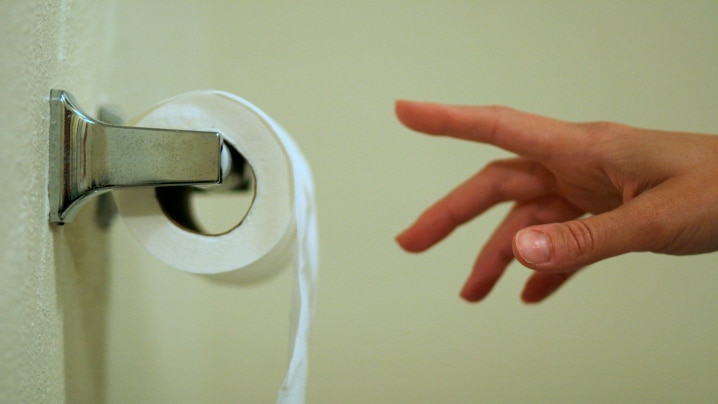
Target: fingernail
{"type": "Point", "coordinates": [534, 247]}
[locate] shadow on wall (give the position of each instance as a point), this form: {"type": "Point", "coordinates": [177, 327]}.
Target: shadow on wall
{"type": "Point", "coordinates": [81, 261]}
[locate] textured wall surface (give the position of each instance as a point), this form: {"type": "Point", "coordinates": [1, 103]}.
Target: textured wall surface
{"type": "Point", "coordinates": [389, 326]}
{"type": "Point", "coordinates": [51, 279]}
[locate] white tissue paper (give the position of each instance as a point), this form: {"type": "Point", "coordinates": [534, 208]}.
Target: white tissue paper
{"type": "Point", "coordinates": [279, 228]}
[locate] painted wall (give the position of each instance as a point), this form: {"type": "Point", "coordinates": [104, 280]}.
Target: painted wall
{"type": "Point", "coordinates": [389, 326]}
{"type": "Point", "coordinates": [52, 279]}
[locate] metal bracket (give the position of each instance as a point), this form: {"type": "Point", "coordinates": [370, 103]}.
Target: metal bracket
{"type": "Point", "coordinates": [89, 157]}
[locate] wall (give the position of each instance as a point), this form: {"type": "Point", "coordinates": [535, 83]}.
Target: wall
{"type": "Point", "coordinates": [52, 279]}
{"type": "Point", "coordinates": [389, 326]}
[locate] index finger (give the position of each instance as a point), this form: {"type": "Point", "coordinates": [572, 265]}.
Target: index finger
{"type": "Point", "coordinates": [526, 134]}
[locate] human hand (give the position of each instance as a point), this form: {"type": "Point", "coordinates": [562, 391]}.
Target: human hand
{"type": "Point", "coordinates": [644, 190]}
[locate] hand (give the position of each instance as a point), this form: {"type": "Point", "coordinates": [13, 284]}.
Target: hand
{"type": "Point", "coordinates": [643, 190]}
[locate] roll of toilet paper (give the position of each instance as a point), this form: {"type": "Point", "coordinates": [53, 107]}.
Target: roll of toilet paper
{"type": "Point", "coordinates": [279, 228]}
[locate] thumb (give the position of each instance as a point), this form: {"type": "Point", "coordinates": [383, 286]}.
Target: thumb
{"type": "Point", "coordinates": [568, 246]}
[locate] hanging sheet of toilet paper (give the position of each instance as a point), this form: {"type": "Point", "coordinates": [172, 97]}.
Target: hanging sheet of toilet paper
{"type": "Point", "coordinates": [279, 229]}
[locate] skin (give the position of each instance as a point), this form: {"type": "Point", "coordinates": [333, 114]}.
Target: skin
{"type": "Point", "coordinates": [582, 192]}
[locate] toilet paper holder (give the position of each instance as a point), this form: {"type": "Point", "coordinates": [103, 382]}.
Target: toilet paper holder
{"type": "Point", "coordinates": [90, 157]}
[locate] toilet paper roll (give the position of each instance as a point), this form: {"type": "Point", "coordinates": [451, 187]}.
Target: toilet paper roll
{"type": "Point", "coordinates": [279, 228]}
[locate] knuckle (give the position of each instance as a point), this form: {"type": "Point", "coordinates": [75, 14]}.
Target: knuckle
{"type": "Point", "coordinates": [497, 166]}
{"type": "Point", "coordinates": [501, 184]}
{"type": "Point", "coordinates": [501, 110]}
{"type": "Point", "coordinates": [660, 233]}
{"type": "Point", "coordinates": [455, 211]}
{"type": "Point", "coordinates": [603, 129]}
{"type": "Point", "coordinates": [599, 127]}
{"type": "Point", "coordinates": [579, 238]}
{"type": "Point", "coordinates": [499, 114]}
{"type": "Point", "coordinates": [454, 214]}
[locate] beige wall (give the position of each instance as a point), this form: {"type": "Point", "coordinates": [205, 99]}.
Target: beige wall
{"type": "Point", "coordinates": [389, 326]}
{"type": "Point", "coordinates": [52, 279]}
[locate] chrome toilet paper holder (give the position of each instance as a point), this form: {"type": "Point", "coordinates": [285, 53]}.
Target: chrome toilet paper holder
{"type": "Point", "coordinates": [90, 157]}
